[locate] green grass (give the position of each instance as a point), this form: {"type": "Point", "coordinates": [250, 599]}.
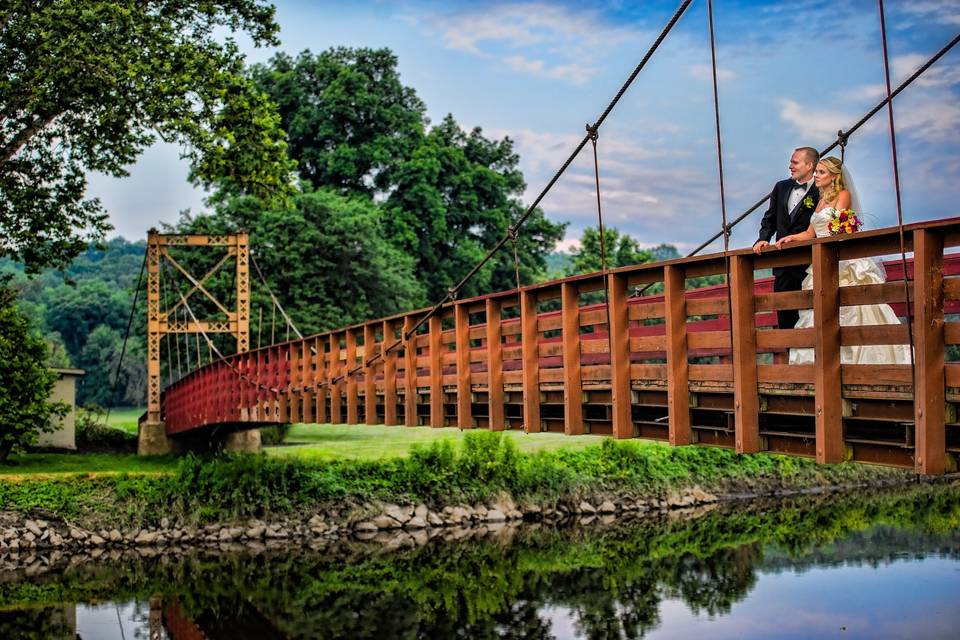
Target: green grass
{"type": "Point", "coordinates": [40, 464]}
{"type": "Point", "coordinates": [125, 418]}
{"type": "Point", "coordinates": [373, 442]}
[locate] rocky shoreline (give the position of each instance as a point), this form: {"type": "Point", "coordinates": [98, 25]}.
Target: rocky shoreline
{"type": "Point", "coordinates": [29, 541]}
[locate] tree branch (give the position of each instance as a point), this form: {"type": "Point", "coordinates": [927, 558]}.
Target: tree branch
{"type": "Point", "coordinates": [24, 136]}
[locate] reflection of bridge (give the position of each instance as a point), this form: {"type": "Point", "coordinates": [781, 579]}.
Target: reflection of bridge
{"type": "Point", "coordinates": [690, 367]}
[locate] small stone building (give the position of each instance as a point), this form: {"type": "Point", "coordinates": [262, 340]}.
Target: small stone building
{"type": "Point", "coordinates": [65, 436]}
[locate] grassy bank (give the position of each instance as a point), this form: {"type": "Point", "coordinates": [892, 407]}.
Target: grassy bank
{"type": "Point", "coordinates": [478, 469]}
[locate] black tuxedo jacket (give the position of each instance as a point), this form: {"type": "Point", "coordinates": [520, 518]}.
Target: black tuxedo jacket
{"type": "Point", "coordinates": [782, 222]}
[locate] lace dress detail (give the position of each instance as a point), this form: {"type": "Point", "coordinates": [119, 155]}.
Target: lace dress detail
{"type": "Point", "coordinates": [853, 272]}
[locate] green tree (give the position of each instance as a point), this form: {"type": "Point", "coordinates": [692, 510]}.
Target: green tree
{"type": "Point", "coordinates": [25, 381]}
{"type": "Point", "coordinates": [325, 256]}
{"type": "Point", "coordinates": [453, 200]}
{"type": "Point", "coordinates": [75, 311]}
{"type": "Point", "coordinates": [621, 250]}
{"type": "Point", "coordinates": [86, 86]}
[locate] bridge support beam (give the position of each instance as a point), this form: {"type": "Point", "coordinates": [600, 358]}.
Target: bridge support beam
{"type": "Point", "coordinates": [152, 440]}
{"type": "Point", "coordinates": [242, 441]}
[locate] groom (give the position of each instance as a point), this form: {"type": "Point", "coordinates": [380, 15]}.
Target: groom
{"type": "Point", "coordinates": [791, 204]}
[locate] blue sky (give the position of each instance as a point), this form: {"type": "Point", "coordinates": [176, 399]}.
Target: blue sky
{"type": "Point", "coordinates": [791, 74]}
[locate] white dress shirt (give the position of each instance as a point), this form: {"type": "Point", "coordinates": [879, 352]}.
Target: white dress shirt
{"type": "Point", "coordinates": [796, 195]}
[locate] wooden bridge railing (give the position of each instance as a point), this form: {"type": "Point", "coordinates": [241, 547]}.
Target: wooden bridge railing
{"type": "Point", "coordinates": [687, 366]}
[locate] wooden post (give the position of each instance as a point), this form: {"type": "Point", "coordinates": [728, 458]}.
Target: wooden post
{"type": "Point", "coordinates": [826, 368]}
{"type": "Point", "coordinates": [283, 383]}
{"type": "Point", "coordinates": [369, 376]}
{"type": "Point", "coordinates": [436, 371]}
{"type": "Point", "coordinates": [464, 388]}
{"type": "Point", "coordinates": [530, 359]}
{"type": "Point", "coordinates": [321, 379]}
{"type": "Point", "coordinates": [352, 399]}
{"type": "Point", "coordinates": [678, 368]}
{"type": "Point", "coordinates": [572, 383]}
{"type": "Point", "coordinates": [494, 366]}
{"type": "Point", "coordinates": [389, 374]}
{"type": "Point", "coordinates": [744, 328]}
{"type": "Point", "coordinates": [409, 374]}
{"type": "Point", "coordinates": [336, 369]}
{"type": "Point", "coordinates": [619, 329]}
{"type": "Point", "coordinates": [306, 380]}
{"type": "Point", "coordinates": [928, 397]}
{"type": "Point", "coordinates": [293, 402]}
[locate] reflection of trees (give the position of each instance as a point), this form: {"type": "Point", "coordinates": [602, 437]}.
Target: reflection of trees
{"type": "Point", "coordinates": [612, 579]}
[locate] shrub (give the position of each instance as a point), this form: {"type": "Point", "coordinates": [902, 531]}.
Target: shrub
{"type": "Point", "coordinates": [93, 433]}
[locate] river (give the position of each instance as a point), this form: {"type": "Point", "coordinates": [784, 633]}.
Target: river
{"type": "Point", "coordinates": [875, 564]}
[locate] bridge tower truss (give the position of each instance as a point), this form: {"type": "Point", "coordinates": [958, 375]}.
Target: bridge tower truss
{"type": "Point", "coordinates": [163, 321]}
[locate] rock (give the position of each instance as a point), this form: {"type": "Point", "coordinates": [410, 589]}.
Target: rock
{"type": "Point", "coordinates": [607, 507]}
{"type": "Point", "coordinates": [145, 537]}
{"type": "Point", "coordinates": [115, 536]}
{"type": "Point", "coordinates": [277, 533]}
{"type": "Point", "coordinates": [400, 514]}
{"type": "Point", "coordinates": [256, 532]}
{"type": "Point", "coordinates": [228, 534]}
{"type": "Point", "coordinates": [675, 501]}
{"type": "Point", "coordinates": [29, 537]}
{"type": "Point", "coordinates": [46, 534]}
{"type": "Point", "coordinates": [434, 520]}
{"type": "Point", "coordinates": [366, 527]}
{"type": "Point", "coordinates": [586, 507]}
{"type": "Point", "coordinates": [14, 546]}
{"type": "Point", "coordinates": [97, 541]}
{"type": "Point", "coordinates": [421, 511]}
{"type": "Point", "coordinates": [165, 523]}
{"type": "Point", "coordinates": [514, 515]}
{"type": "Point", "coordinates": [55, 539]}
{"type": "Point", "coordinates": [33, 528]}
{"type": "Point", "coordinates": [76, 534]}
{"type": "Point", "coordinates": [700, 495]}
{"type": "Point", "coordinates": [316, 521]}
{"type": "Point", "coordinates": [458, 515]}
{"type": "Point", "coordinates": [495, 515]}
{"type": "Point", "coordinates": [481, 512]}
{"type": "Point", "coordinates": [415, 523]}
{"type": "Point", "coordinates": [386, 522]}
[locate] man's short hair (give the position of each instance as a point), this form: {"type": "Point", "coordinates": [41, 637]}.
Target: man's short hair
{"type": "Point", "coordinates": [812, 154]}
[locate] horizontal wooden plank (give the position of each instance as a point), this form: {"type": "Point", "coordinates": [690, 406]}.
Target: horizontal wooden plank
{"type": "Point", "coordinates": [871, 374]}
{"type": "Point", "coordinates": [708, 339]}
{"type": "Point", "coordinates": [877, 334]}
{"type": "Point", "coordinates": [711, 372]}
{"type": "Point", "coordinates": [512, 352]}
{"type": "Point", "coordinates": [645, 310]}
{"type": "Point", "coordinates": [513, 377]}
{"type": "Point", "coordinates": [595, 372]}
{"type": "Point", "coordinates": [648, 372]}
{"type": "Point", "coordinates": [708, 306]}
{"type": "Point", "coordinates": [648, 343]}
{"type": "Point", "coordinates": [951, 332]}
{"type": "Point", "coordinates": [951, 288]}
{"type": "Point", "coordinates": [785, 373]}
{"type": "Point", "coordinates": [548, 349]}
{"type": "Point", "coordinates": [782, 300]}
{"type": "Point", "coordinates": [888, 292]}
{"type": "Point", "coordinates": [549, 322]}
{"type": "Point", "coordinates": [952, 373]}
{"type": "Point", "coordinates": [784, 338]}
{"type": "Point", "coordinates": [551, 375]}
{"type": "Point", "coordinates": [593, 317]}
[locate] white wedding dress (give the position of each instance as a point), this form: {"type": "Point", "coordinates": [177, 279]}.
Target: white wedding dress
{"type": "Point", "coordinates": [853, 272]}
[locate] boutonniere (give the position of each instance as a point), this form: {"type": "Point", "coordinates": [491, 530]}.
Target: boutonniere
{"type": "Point", "coordinates": [808, 202]}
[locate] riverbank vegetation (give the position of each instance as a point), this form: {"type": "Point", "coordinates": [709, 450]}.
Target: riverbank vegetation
{"type": "Point", "coordinates": [483, 467]}
{"type": "Point", "coordinates": [611, 576]}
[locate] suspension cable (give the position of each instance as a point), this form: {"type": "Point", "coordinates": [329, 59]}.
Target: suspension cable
{"type": "Point", "coordinates": [896, 185]}
{"type": "Point", "coordinates": [276, 302]}
{"type": "Point", "coordinates": [126, 335]}
{"type": "Point", "coordinates": [594, 135]}
{"type": "Point", "coordinates": [723, 198]}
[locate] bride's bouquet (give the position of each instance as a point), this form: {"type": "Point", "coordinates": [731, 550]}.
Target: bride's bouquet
{"type": "Point", "coordinates": [845, 221]}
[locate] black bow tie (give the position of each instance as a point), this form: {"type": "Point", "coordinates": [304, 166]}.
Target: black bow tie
{"type": "Point", "coordinates": [799, 185]}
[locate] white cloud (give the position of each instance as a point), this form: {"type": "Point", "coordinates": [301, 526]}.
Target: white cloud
{"type": "Point", "coordinates": [705, 72]}
{"type": "Point", "coordinates": [945, 72]}
{"type": "Point", "coordinates": [814, 124]}
{"type": "Point", "coordinates": [573, 40]}
{"type": "Point", "coordinates": [941, 11]}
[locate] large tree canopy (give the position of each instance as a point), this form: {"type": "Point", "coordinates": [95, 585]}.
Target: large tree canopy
{"type": "Point", "coordinates": [349, 120]}
{"type": "Point", "coordinates": [86, 86]}
{"type": "Point", "coordinates": [447, 196]}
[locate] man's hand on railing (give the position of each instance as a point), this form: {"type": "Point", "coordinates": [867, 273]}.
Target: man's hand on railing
{"type": "Point", "coordinates": [759, 246]}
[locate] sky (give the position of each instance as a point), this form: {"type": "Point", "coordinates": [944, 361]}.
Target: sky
{"type": "Point", "coordinates": [791, 74]}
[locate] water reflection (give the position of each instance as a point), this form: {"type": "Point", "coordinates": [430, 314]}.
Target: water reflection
{"type": "Point", "coordinates": [874, 565]}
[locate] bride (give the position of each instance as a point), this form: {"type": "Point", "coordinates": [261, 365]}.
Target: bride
{"type": "Point", "coordinates": [836, 187]}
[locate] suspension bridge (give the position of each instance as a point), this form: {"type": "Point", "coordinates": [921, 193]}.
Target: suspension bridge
{"type": "Point", "coordinates": [629, 352]}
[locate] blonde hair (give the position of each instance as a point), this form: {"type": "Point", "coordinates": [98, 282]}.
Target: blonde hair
{"type": "Point", "coordinates": [830, 192]}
